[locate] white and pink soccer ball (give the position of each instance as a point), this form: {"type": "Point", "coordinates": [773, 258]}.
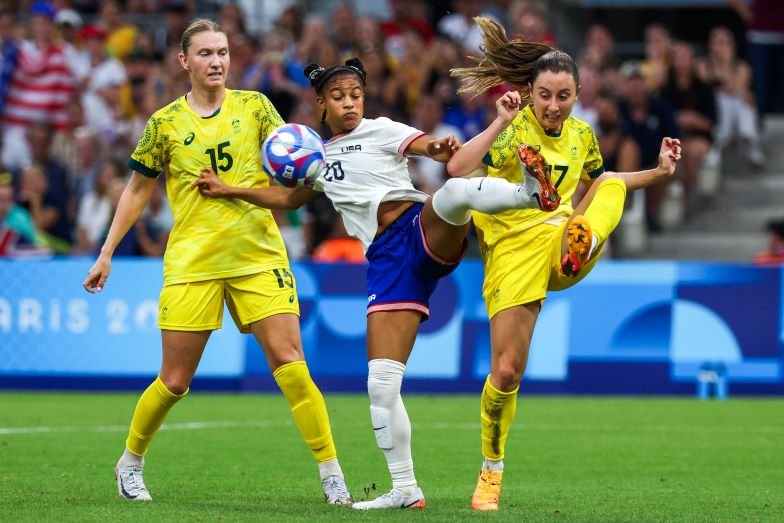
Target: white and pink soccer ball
{"type": "Point", "coordinates": [294, 155]}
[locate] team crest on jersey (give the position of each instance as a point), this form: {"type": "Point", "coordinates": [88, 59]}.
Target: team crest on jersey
{"type": "Point", "coordinates": [235, 124]}
{"type": "Point", "coordinates": [574, 152]}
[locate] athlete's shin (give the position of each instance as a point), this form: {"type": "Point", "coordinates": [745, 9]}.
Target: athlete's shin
{"type": "Point", "coordinates": [606, 208]}
{"type": "Point", "coordinates": [497, 414]}
{"type": "Point", "coordinates": [151, 409]}
{"type": "Point", "coordinates": [391, 425]}
{"type": "Point", "coordinates": [308, 407]}
{"type": "Point", "coordinates": [459, 196]}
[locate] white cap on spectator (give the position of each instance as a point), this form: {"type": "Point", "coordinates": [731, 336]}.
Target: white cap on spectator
{"type": "Point", "coordinates": [68, 16]}
{"type": "Point", "coordinates": [111, 74]}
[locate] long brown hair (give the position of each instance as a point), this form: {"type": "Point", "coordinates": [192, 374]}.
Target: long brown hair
{"type": "Point", "coordinates": [515, 62]}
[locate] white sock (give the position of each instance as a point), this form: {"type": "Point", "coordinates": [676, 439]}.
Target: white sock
{"type": "Point", "coordinates": [129, 459]}
{"type": "Point", "coordinates": [330, 468]}
{"type": "Point", "coordinates": [391, 425]}
{"type": "Point", "coordinates": [493, 465]}
{"type": "Point", "coordinates": [455, 200]}
{"type": "Point", "coordinates": [594, 243]}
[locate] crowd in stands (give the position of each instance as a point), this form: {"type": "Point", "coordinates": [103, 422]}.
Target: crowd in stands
{"type": "Point", "coordinates": [80, 78]}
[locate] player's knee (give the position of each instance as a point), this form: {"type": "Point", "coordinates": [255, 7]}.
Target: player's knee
{"type": "Point", "coordinates": [508, 373]}
{"type": "Point", "coordinates": [176, 383]}
{"type": "Point", "coordinates": [384, 380]}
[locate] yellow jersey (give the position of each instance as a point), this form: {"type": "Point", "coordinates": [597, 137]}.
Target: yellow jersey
{"type": "Point", "coordinates": [213, 238]}
{"type": "Point", "coordinates": [573, 154]}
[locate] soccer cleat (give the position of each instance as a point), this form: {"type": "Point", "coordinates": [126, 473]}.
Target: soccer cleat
{"type": "Point", "coordinates": [335, 491]}
{"type": "Point", "coordinates": [130, 483]}
{"type": "Point", "coordinates": [536, 173]}
{"type": "Point", "coordinates": [579, 239]}
{"type": "Point", "coordinates": [394, 499]}
{"type": "Point", "coordinates": [488, 490]}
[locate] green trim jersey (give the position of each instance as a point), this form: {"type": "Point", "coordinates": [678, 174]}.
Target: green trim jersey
{"type": "Point", "coordinates": [573, 154]}
{"type": "Point", "coordinates": [213, 238]}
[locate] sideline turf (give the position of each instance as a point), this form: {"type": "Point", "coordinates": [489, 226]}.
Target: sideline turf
{"type": "Point", "coordinates": [568, 459]}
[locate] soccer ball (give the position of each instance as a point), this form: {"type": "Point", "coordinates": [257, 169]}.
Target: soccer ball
{"type": "Point", "coordinates": [293, 154]}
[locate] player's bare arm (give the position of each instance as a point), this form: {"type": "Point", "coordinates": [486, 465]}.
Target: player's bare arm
{"type": "Point", "coordinates": [469, 157]}
{"type": "Point", "coordinates": [132, 203]}
{"type": "Point", "coordinates": [275, 197]}
{"type": "Point", "coordinates": [669, 155]}
{"type": "Point", "coordinates": [439, 149]}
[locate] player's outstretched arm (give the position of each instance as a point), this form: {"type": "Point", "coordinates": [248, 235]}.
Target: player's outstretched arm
{"type": "Point", "coordinates": [275, 197]}
{"type": "Point", "coordinates": [469, 157]}
{"type": "Point", "coordinates": [669, 154]}
{"type": "Point", "coordinates": [439, 149]}
{"type": "Point", "coordinates": [132, 203]}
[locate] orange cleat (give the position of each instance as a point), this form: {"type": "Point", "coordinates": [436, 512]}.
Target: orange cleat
{"type": "Point", "coordinates": [488, 490]}
{"type": "Point", "coordinates": [536, 173]}
{"type": "Point", "coordinates": [579, 239]}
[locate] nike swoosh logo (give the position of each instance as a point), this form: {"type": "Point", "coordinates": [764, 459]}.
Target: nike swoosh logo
{"type": "Point", "coordinates": [480, 184]}
{"type": "Point", "coordinates": [126, 493]}
{"type": "Point", "coordinates": [189, 139]}
{"type": "Point", "coordinates": [379, 428]}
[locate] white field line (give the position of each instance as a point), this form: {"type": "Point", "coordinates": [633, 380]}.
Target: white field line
{"type": "Point", "coordinates": [537, 427]}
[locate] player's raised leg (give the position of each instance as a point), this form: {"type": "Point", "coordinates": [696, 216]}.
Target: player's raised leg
{"type": "Point", "coordinates": [181, 354]}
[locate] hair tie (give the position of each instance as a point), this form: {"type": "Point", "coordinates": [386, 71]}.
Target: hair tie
{"type": "Point", "coordinates": [315, 73]}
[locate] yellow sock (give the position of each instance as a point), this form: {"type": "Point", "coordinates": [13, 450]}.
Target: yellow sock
{"type": "Point", "coordinates": [497, 414]}
{"type": "Point", "coordinates": [150, 412]}
{"type": "Point", "coordinates": [308, 407]}
{"type": "Point", "coordinates": [605, 210]}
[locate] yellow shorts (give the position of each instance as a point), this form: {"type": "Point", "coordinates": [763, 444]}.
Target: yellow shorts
{"type": "Point", "coordinates": [198, 306]}
{"type": "Point", "coordinates": [522, 268]}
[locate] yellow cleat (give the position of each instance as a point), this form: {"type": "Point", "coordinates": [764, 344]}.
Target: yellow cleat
{"type": "Point", "coordinates": [488, 490]}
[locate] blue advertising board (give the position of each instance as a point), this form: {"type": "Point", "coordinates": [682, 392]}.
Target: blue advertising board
{"type": "Point", "coordinates": [629, 327]}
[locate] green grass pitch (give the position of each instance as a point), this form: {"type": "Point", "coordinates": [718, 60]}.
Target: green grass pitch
{"type": "Point", "coordinates": [240, 458]}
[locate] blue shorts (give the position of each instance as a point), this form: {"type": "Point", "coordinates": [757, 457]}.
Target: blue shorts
{"type": "Point", "coordinates": [402, 270]}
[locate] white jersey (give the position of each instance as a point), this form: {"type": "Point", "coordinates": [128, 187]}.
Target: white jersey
{"type": "Point", "coordinates": [365, 167]}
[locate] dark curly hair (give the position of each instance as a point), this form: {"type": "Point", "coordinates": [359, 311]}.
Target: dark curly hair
{"type": "Point", "coordinates": [318, 75]}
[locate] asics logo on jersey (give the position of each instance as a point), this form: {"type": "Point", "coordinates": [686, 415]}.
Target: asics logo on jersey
{"type": "Point", "coordinates": [291, 299]}
{"type": "Point", "coordinates": [351, 148]}
{"type": "Point", "coordinates": [189, 138]}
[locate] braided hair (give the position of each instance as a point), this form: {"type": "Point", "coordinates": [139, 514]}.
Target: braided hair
{"type": "Point", "coordinates": [515, 62]}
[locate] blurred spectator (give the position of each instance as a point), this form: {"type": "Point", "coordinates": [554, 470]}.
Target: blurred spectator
{"type": "Point", "coordinates": [102, 87]}
{"type": "Point", "coordinates": [585, 106]}
{"type": "Point", "coordinates": [730, 77]}
{"type": "Point", "coordinates": [695, 111]}
{"type": "Point", "coordinates": [619, 151]}
{"type": "Point", "coordinates": [775, 253]}
{"type": "Point", "coordinates": [9, 52]}
{"type": "Point", "coordinates": [459, 24]}
{"type": "Point", "coordinates": [41, 85]}
{"type": "Point", "coordinates": [89, 150]}
{"type": "Point", "coordinates": [64, 146]}
{"type": "Point", "coordinates": [156, 223]}
{"type": "Point", "coordinates": [765, 48]}
{"type": "Point", "coordinates": [57, 194]}
{"type": "Point", "coordinates": [469, 114]}
{"type": "Point", "coordinates": [404, 17]}
{"type": "Point", "coordinates": [291, 22]}
{"type": "Point", "coordinates": [68, 24]}
{"type": "Point", "coordinates": [382, 97]}
{"type": "Point", "coordinates": [269, 75]}
{"type": "Point", "coordinates": [343, 30]}
{"type": "Point", "coordinates": [33, 190]}
{"type": "Point", "coordinates": [429, 175]}
{"type": "Point", "coordinates": [120, 37]}
{"type": "Point", "coordinates": [647, 120]}
{"type": "Point", "coordinates": [95, 208]}
{"type": "Point", "coordinates": [339, 247]}
{"type": "Point", "coordinates": [320, 218]}
{"type": "Point", "coordinates": [528, 20]}
{"type": "Point", "coordinates": [599, 50]}
{"type": "Point", "coordinates": [232, 19]}
{"type": "Point", "coordinates": [16, 223]}
{"type": "Point", "coordinates": [658, 51]}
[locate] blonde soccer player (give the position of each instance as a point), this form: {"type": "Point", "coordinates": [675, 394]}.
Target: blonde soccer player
{"type": "Point", "coordinates": [410, 240]}
{"type": "Point", "coordinates": [218, 252]}
{"type": "Point", "coordinates": [528, 252]}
